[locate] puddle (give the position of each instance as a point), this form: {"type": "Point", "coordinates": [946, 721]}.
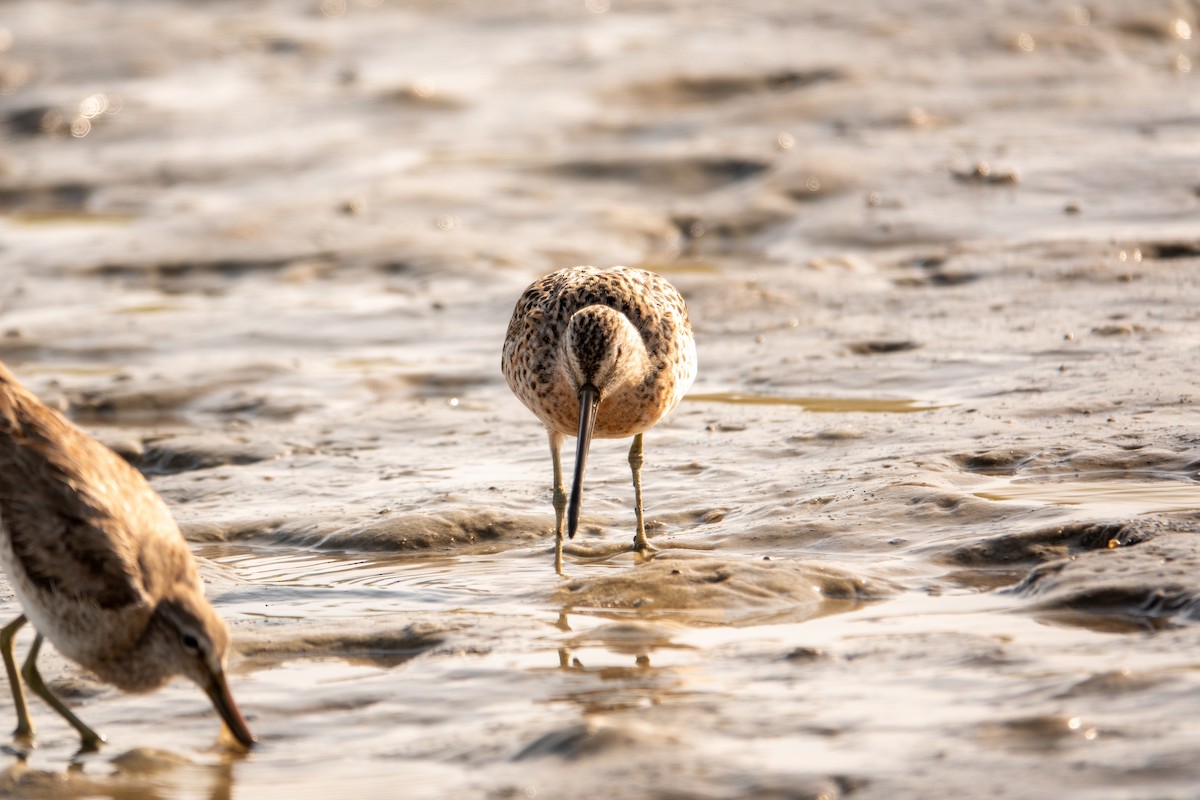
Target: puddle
{"type": "Point", "coordinates": [681, 267]}
{"type": "Point", "coordinates": [150, 308]}
{"type": "Point", "coordinates": [820, 405]}
{"type": "Point", "coordinates": [1118, 497]}
{"type": "Point", "coordinates": [297, 338]}
{"type": "Point", "coordinates": [70, 218]}
{"type": "Point", "coordinates": [418, 580]}
{"type": "Point", "coordinates": [61, 368]}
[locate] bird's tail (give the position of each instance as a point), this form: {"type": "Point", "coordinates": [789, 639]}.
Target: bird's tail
{"type": "Point", "coordinates": [14, 398]}
{"type": "Point", "coordinates": [26, 423]}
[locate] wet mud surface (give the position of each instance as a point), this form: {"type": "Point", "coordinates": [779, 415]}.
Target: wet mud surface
{"type": "Point", "coordinates": [926, 523]}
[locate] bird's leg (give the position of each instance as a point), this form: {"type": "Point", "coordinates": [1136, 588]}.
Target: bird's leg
{"type": "Point", "coordinates": [640, 544]}
{"type": "Point", "coordinates": [8, 633]}
{"type": "Point", "coordinates": [560, 498]}
{"type": "Point", "coordinates": [90, 739]}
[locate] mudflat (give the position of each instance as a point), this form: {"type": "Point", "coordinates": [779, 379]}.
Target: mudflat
{"type": "Point", "coordinates": [927, 518]}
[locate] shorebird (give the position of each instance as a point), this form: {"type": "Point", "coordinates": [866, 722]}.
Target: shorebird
{"type": "Point", "coordinates": [604, 353]}
{"type": "Point", "coordinates": [99, 568]}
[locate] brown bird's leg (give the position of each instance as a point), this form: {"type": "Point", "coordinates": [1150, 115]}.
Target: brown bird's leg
{"type": "Point", "coordinates": [8, 634]}
{"type": "Point", "coordinates": [89, 738]}
{"type": "Point", "coordinates": [640, 544]}
{"type": "Point", "coordinates": [560, 498]}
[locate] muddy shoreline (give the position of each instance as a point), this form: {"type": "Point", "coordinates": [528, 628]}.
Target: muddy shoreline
{"type": "Point", "coordinates": [926, 519]}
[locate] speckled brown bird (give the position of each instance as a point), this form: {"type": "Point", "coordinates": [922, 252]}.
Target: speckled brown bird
{"type": "Point", "coordinates": [599, 352]}
{"type": "Point", "coordinates": [99, 567]}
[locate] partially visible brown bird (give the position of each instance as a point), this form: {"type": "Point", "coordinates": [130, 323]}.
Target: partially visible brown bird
{"type": "Point", "coordinates": [99, 568]}
{"type": "Point", "coordinates": [598, 352]}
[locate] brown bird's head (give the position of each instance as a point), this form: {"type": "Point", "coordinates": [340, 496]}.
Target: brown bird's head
{"type": "Point", "coordinates": [185, 636]}
{"type": "Point", "coordinates": [601, 347]}
{"type": "Point", "coordinates": [602, 353]}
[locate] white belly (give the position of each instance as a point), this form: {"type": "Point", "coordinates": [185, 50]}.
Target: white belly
{"type": "Point", "coordinates": [78, 629]}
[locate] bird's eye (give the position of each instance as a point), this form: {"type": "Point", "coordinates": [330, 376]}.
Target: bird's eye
{"type": "Point", "coordinates": [191, 643]}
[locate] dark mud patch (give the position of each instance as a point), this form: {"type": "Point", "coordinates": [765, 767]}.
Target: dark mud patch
{"type": "Point", "coordinates": [222, 267]}
{"type": "Point", "coordinates": [1171, 250]}
{"type": "Point", "coordinates": [993, 462]}
{"type": "Point", "coordinates": [209, 276]}
{"type": "Point", "coordinates": [1112, 684]}
{"type": "Point", "coordinates": [240, 404]}
{"type": "Point", "coordinates": [723, 591]}
{"type": "Point", "coordinates": [707, 89]}
{"type": "Point", "coordinates": [984, 174]}
{"type": "Point", "coordinates": [108, 405]}
{"type": "Point", "coordinates": [20, 351]}
{"type": "Point", "coordinates": [381, 648]}
{"type": "Point", "coordinates": [187, 453]}
{"type": "Point", "coordinates": [935, 649]}
{"type": "Point", "coordinates": [1115, 459]}
{"type": "Point", "coordinates": [1046, 544]}
{"type": "Point", "coordinates": [641, 753]}
{"type": "Point", "coordinates": [873, 347]}
{"type": "Point", "coordinates": [937, 272]}
{"type": "Point", "coordinates": [1119, 456]}
{"type": "Point", "coordinates": [16, 348]}
{"type": "Point", "coordinates": [466, 532]}
{"type": "Point", "coordinates": [422, 97]}
{"type": "Point", "coordinates": [594, 738]}
{"type": "Point", "coordinates": [814, 180]}
{"type": "Point", "coordinates": [1037, 733]}
{"type": "Point", "coordinates": [1120, 329]}
{"type": "Point", "coordinates": [725, 232]}
{"type": "Point", "coordinates": [1004, 560]}
{"type": "Point", "coordinates": [658, 761]}
{"type": "Point", "coordinates": [441, 385]}
{"type": "Point", "coordinates": [124, 403]}
{"type": "Point", "coordinates": [693, 174]}
{"type": "Point", "coordinates": [1149, 586]}
{"type": "Point", "coordinates": [39, 120]}
{"type": "Point", "coordinates": [71, 196]}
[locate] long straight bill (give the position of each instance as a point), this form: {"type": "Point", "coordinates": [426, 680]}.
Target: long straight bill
{"type": "Point", "coordinates": [222, 700]}
{"type": "Point", "coordinates": [589, 399]}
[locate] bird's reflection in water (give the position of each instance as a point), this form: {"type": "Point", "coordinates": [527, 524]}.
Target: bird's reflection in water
{"type": "Point", "coordinates": [566, 661]}
{"type": "Point", "coordinates": [139, 774]}
{"type": "Point", "coordinates": [645, 673]}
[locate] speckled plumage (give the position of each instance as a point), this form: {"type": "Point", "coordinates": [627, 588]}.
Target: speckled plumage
{"type": "Point", "coordinates": [624, 331]}
{"type": "Point", "coordinates": [98, 565]}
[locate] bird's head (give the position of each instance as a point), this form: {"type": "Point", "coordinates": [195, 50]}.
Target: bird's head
{"type": "Point", "coordinates": [601, 347]}
{"type": "Point", "coordinates": [187, 637]}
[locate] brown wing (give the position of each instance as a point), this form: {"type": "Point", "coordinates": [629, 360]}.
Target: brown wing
{"type": "Point", "coordinates": [652, 304]}
{"type": "Point", "coordinates": [72, 509]}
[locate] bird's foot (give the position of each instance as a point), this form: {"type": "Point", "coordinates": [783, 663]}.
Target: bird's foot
{"type": "Point", "coordinates": [23, 740]}
{"type": "Point", "coordinates": [643, 550]}
{"type": "Point", "coordinates": [91, 744]}
{"type": "Point", "coordinates": [21, 748]}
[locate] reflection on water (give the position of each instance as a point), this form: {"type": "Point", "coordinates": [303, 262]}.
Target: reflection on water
{"type": "Point", "coordinates": [407, 578]}
{"type": "Point", "coordinates": [277, 280]}
{"type": "Point", "coordinates": [70, 218]}
{"type": "Point", "coordinates": [1113, 496]}
{"type": "Point", "coordinates": [140, 774]}
{"type": "Point", "coordinates": [820, 405]}
{"type": "Point", "coordinates": [630, 681]}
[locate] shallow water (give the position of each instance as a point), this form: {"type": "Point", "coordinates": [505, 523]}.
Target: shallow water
{"type": "Point", "coordinates": [926, 520]}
